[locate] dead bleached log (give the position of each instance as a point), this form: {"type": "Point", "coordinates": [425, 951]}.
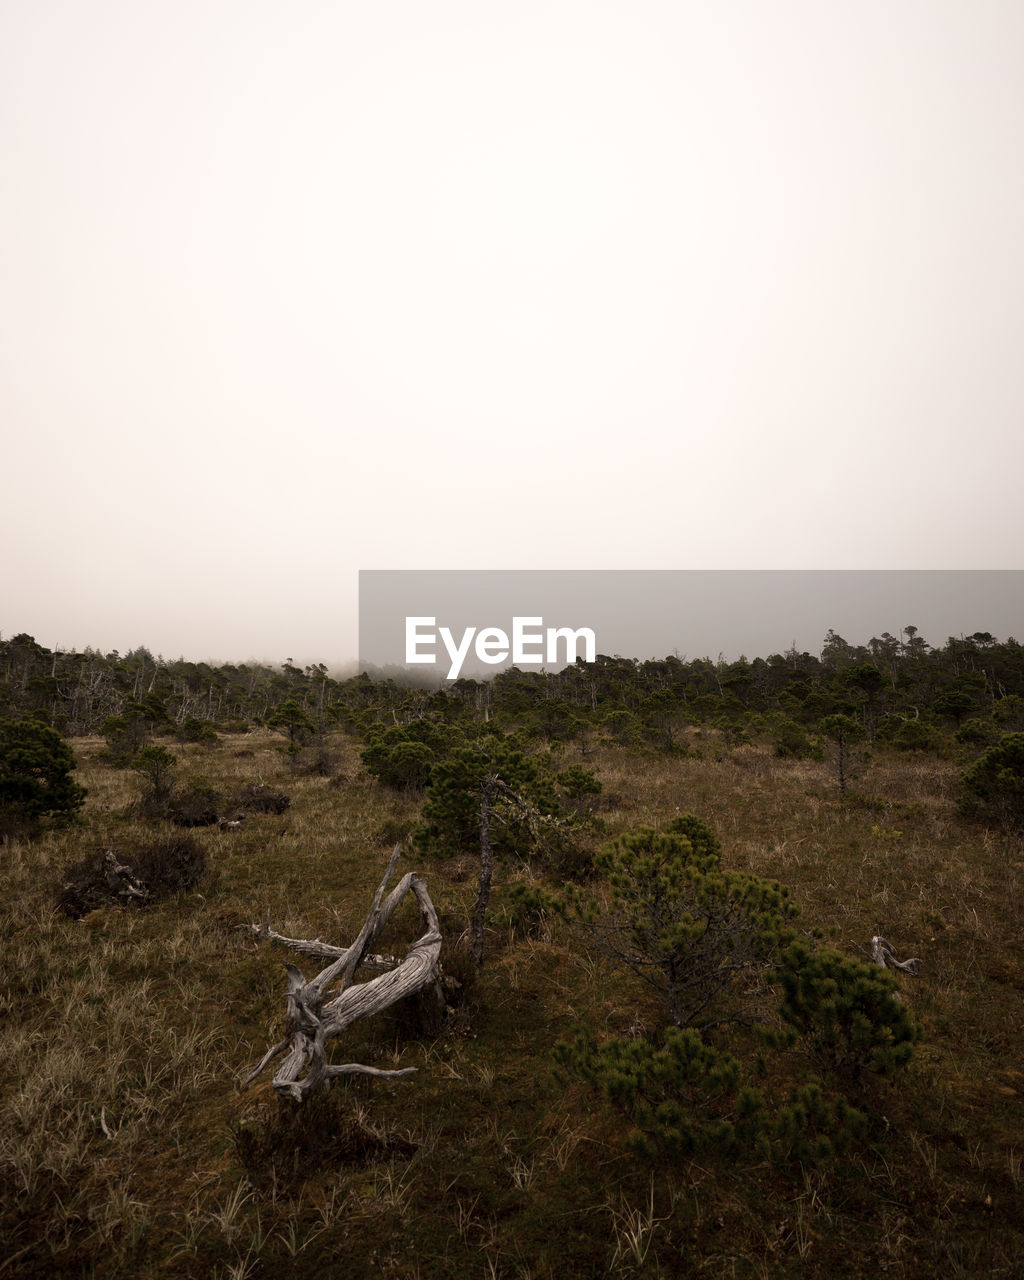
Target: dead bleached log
{"type": "Point", "coordinates": [883, 954]}
{"type": "Point", "coordinates": [323, 1007]}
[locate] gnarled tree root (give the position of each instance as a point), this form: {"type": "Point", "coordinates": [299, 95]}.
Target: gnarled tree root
{"type": "Point", "coordinates": [328, 1003]}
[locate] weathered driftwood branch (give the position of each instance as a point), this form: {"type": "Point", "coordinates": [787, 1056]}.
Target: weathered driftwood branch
{"type": "Point", "coordinates": [326, 1005]}
{"type": "Point", "coordinates": [316, 947]}
{"type": "Point", "coordinates": [882, 954]}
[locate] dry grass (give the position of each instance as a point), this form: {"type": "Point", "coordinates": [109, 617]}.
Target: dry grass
{"type": "Point", "coordinates": [125, 1037]}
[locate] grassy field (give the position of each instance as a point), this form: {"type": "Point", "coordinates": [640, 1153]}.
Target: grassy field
{"type": "Point", "coordinates": [130, 1147]}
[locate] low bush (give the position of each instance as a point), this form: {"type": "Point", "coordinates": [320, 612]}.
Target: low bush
{"type": "Point", "coordinates": [125, 736]}
{"type": "Point", "coordinates": [790, 740]}
{"type": "Point", "coordinates": [578, 783]}
{"type": "Point", "coordinates": [705, 846]}
{"type": "Point", "coordinates": [195, 730]}
{"type": "Point", "coordinates": [683, 925]}
{"type": "Point", "coordinates": [529, 909]}
{"type": "Point", "coordinates": [978, 732]}
{"type": "Point", "coordinates": [255, 797]}
{"type": "Point", "coordinates": [683, 1095]}
{"type": "Point", "coordinates": [157, 870]}
{"type": "Point", "coordinates": [844, 1013]}
{"type": "Point", "coordinates": [907, 735]}
{"type": "Point", "coordinates": [402, 756]}
{"type": "Point", "coordinates": [814, 1126]}
{"type": "Point", "coordinates": [156, 766]}
{"type": "Point", "coordinates": [196, 805]}
{"type": "Point", "coordinates": [993, 787]}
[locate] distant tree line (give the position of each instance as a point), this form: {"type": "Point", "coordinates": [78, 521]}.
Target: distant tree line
{"type": "Point", "coordinates": [901, 691]}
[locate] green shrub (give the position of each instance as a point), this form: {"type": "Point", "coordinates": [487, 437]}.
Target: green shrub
{"type": "Point", "coordinates": [790, 740]}
{"type": "Point", "coordinates": [683, 1095]}
{"type": "Point", "coordinates": [915, 735]}
{"type": "Point", "coordinates": [403, 765]}
{"type": "Point", "coordinates": [156, 765]}
{"type": "Point", "coordinates": [295, 722]}
{"type": "Point", "coordinates": [814, 1126]}
{"type": "Point", "coordinates": [622, 726]}
{"type": "Point", "coordinates": [845, 1013]}
{"type": "Point", "coordinates": [978, 733]}
{"type": "Point", "coordinates": [682, 924]}
{"type": "Point", "coordinates": [578, 782]}
{"type": "Point", "coordinates": [402, 756]}
{"type": "Point", "coordinates": [125, 735]}
{"type": "Point", "coordinates": [704, 844]}
{"type": "Point", "coordinates": [35, 776]}
{"type": "Point", "coordinates": [687, 1098]}
{"type": "Point", "coordinates": [993, 787]}
{"type": "Point", "coordinates": [907, 735]}
{"type": "Point", "coordinates": [528, 908]}
{"type": "Point", "coordinates": [554, 721]}
{"type": "Point", "coordinates": [1008, 713]}
{"type": "Point", "coordinates": [451, 814]}
{"type": "Point", "coordinates": [196, 730]}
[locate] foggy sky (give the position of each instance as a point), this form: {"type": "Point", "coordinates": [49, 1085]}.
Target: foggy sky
{"type": "Point", "coordinates": [651, 614]}
{"type": "Point", "coordinates": [292, 291]}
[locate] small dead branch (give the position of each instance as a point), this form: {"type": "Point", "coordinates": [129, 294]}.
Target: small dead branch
{"type": "Point", "coordinates": [882, 954]}
{"type": "Point", "coordinates": [121, 879]}
{"type": "Point", "coordinates": [328, 1003]}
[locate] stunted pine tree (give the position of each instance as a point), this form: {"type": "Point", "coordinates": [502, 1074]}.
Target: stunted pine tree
{"type": "Point", "coordinates": [35, 775]}
{"type": "Point", "coordinates": [683, 924]}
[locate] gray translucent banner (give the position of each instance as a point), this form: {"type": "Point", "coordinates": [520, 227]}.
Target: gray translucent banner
{"type": "Point", "coordinates": [438, 625]}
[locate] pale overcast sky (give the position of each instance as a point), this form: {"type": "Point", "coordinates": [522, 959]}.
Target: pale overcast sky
{"type": "Point", "coordinates": [289, 291]}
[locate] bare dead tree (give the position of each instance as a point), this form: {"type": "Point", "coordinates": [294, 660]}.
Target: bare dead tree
{"type": "Point", "coordinates": [323, 1007]}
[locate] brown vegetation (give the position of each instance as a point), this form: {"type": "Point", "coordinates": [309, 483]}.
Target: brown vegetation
{"type": "Point", "coordinates": [129, 1146]}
